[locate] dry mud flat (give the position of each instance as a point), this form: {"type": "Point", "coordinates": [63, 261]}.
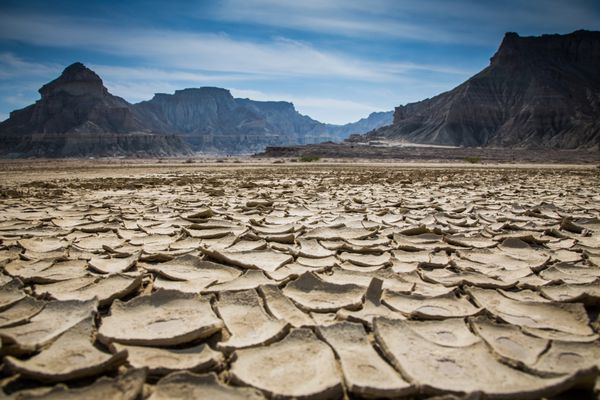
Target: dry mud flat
{"type": "Point", "coordinates": [316, 282]}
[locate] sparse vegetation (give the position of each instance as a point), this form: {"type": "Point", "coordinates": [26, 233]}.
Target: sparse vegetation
{"type": "Point", "coordinates": [473, 160]}
{"type": "Point", "coordinates": [190, 161]}
{"type": "Point", "coordinates": [309, 158]}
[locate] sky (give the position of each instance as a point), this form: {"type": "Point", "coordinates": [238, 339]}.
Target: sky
{"type": "Point", "coordinates": [336, 60]}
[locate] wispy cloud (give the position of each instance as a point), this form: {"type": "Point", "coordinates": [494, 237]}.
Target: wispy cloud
{"type": "Point", "coordinates": [199, 51]}
{"type": "Point", "coordinates": [12, 66]}
{"type": "Point", "coordinates": [339, 17]}
{"type": "Point", "coordinates": [436, 21]}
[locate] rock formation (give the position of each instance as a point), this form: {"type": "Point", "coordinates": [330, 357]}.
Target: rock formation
{"type": "Point", "coordinates": [537, 92]}
{"type": "Point", "coordinates": [77, 116]}
{"type": "Point", "coordinates": [210, 119]}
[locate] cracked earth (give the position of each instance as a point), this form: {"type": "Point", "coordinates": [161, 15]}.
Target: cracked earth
{"type": "Point", "coordinates": [312, 282]}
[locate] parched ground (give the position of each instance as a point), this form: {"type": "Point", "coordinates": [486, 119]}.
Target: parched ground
{"type": "Point", "coordinates": [319, 281]}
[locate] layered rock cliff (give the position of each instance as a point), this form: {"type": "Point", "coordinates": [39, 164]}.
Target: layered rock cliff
{"type": "Point", "coordinates": [77, 117]}
{"type": "Point", "coordinates": [212, 120]}
{"type": "Point", "coordinates": [537, 92]}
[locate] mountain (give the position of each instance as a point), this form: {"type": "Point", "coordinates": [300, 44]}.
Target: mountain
{"type": "Point", "coordinates": [212, 120]}
{"type": "Point", "coordinates": [537, 92]}
{"type": "Point", "coordinates": [77, 117]}
{"type": "Point", "coordinates": [373, 121]}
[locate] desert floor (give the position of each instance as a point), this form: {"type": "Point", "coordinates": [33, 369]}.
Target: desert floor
{"type": "Point", "coordinates": [250, 279]}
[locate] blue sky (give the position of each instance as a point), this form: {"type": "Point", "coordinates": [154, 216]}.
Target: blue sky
{"type": "Point", "coordinates": [336, 60]}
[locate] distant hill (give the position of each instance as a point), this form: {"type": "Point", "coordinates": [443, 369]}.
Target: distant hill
{"type": "Point", "coordinates": [537, 92]}
{"type": "Point", "coordinates": [77, 117]}
{"type": "Point", "coordinates": [211, 120]}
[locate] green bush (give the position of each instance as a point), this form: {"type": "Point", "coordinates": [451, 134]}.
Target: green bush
{"type": "Point", "coordinates": [473, 160]}
{"type": "Point", "coordinates": [309, 158]}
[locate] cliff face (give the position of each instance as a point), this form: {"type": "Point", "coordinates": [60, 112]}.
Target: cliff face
{"type": "Point", "coordinates": [537, 92]}
{"type": "Point", "coordinates": [77, 116]}
{"type": "Point", "coordinates": [212, 120]}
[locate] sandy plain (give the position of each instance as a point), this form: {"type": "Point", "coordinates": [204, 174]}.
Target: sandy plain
{"type": "Point", "coordinates": [248, 279]}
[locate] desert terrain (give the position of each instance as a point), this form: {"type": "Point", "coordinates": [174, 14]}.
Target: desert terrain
{"type": "Point", "coordinates": [258, 278]}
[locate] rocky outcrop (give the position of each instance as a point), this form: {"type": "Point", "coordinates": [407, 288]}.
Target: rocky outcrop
{"type": "Point", "coordinates": [212, 120]}
{"type": "Point", "coordinates": [537, 92]}
{"type": "Point", "coordinates": [77, 116]}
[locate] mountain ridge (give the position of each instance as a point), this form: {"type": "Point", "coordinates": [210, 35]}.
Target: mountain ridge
{"type": "Point", "coordinates": [78, 117]}
{"type": "Point", "coordinates": [538, 91]}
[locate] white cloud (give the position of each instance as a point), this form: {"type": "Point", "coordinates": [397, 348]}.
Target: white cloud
{"type": "Point", "coordinates": [437, 21]}
{"type": "Point", "coordinates": [339, 17]}
{"type": "Point", "coordinates": [12, 66]}
{"type": "Point", "coordinates": [279, 57]}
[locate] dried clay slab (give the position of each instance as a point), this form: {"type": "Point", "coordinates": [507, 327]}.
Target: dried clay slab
{"type": "Point", "coordinates": [365, 372]}
{"type": "Point", "coordinates": [10, 293]}
{"type": "Point", "coordinates": [247, 321]}
{"type": "Point", "coordinates": [105, 289]}
{"type": "Point", "coordinates": [112, 265]}
{"type": "Point", "coordinates": [128, 386]}
{"type": "Point", "coordinates": [71, 356]}
{"type": "Point", "coordinates": [55, 319]}
{"type": "Point", "coordinates": [371, 308]}
{"type": "Point", "coordinates": [313, 294]}
{"type": "Point", "coordinates": [162, 361]}
{"type": "Point", "coordinates": [22, 311]}
{"type": "Point", "coordinates": [508, 341]}
{"type": "Point", "coordinates": [438, 307]}
{"type": "Point", "coordinates": [283, 308]}
{"type": "Point", "coordinates": [189, 267]}
{"type": "Point", "coordinates": [286, 372]}
{"type": "Point", "coordinates": [463, 371]}
{"type": "Point", "coordinates": [186, 385]}
{"type": "Point", "coordinates": [570, 318]}
{"type": "Point", "coordinates": [163, 318]}
{"type": "Point", "coordinates": [265, 260]}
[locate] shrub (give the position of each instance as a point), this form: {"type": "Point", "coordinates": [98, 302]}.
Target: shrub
{"type": "Point", "coordinates": [309, 158]}
{"type": "Point", "coordinates": [190, 161]}
{"type": "Point", "coordinates": [473, 160]}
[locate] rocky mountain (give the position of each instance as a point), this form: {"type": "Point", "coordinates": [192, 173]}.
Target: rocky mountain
{"type": "Point", "coordinates": [212, 120]}
{"type": "Point", "coordinates": [537, 92]}
{"type": "Point", "coordinates": [373, 121]}
{"type": "Point", "coordinates": [77, 117]}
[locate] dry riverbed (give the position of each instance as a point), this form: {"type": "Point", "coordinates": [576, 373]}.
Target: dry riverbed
{"type": "Point", "coordinates": [321, 281]}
